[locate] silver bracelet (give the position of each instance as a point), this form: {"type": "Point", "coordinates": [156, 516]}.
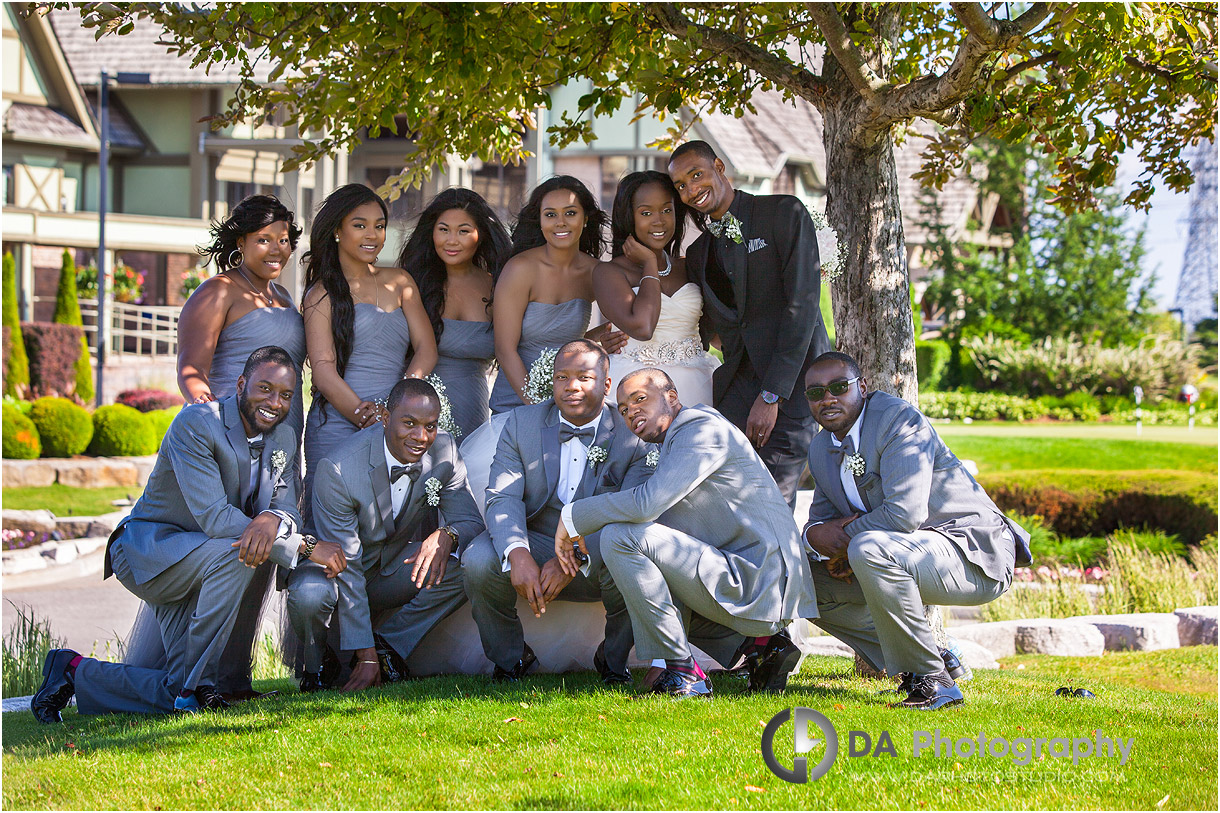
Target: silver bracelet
{"type": "Point", "coordinates": [650, 276]}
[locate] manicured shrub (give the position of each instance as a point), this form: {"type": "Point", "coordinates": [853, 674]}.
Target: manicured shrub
{"type": "Point", "coordinates": [980, 406]}
{"type": "Point", "coordinates": [1092, 503]}
{"type": "Point", "coordinates": [53, 351]}
{"type": "Point", "coordinates": [16, 362]}
{"type": "Point", "coordinates": [21, 441]}
{"type": "Point", "coordinates": [149, 399]}
{"type": "Point", "coordinates": [64, 427]}
{"type": "Point", "coordinates": [122, 430]}
{"type": "Point", "coordinates": [67, 312]}
{"type": "Point", "coordinates": [160, 420]}
{"type": "Point", "coordinates": [932, 360]}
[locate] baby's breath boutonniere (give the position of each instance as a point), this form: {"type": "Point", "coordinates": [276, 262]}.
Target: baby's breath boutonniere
{"type": "Point", "coordinates": [652, 458]}
{"type": "Point", "coordinates": [728, 226]}
{"type": "Point", "coordinates": [432, 487]}
{"type": "Point", "coordinates": [597, 454]}
{"type": "Point", "coordinates": [540, 383]}
{"type": "Point", "coordinates": [279, 462]}
{"type": "Point", "coordinates": [446, 421]}
{"type": "Point", "coordinates": [855, 464]}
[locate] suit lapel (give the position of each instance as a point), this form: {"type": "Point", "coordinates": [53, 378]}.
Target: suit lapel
{"type": "Point", "coordinates": [415, 493]}
{"type": "Point", "coordinates": [550, 449]}
{"type": "Point", "coordinates": [605, 439]}
{"type": "Point", "coordinates": [379, 475]}
{"type": "Point", "coordinates": [867, 446]}
{"type": "Point", "coordinates": [833, 480]}
{"type": "Point", "coordinates": [236, 435]}
{"type": "Point", "coordinates": [266, 489]}
{"type": "Point", "coordinates": [736, 256]}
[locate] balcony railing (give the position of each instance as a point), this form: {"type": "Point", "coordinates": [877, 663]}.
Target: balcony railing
{"type": "Point", "coordinates": [136, 331]}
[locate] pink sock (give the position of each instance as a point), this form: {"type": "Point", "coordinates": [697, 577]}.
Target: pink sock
{"type": "Point", "coordinates": [72, 664]}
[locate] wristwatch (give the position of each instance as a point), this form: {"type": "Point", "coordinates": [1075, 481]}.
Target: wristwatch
{"type": "Point", "coordinates": [769, 397]}
{"type": "Point", "coordinates": [452, 534]}
{"type": "Point", "coordinates": [311, 542]}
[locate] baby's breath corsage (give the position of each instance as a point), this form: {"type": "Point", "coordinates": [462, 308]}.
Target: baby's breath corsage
{"type": "Point", "coordinates": [432, 487]}
{"type": "Point", "coordinates": [597, 454]}
{"type": "Point", "coordinates": [279, 462]}
{"type": "Point", "coordinates": [540, 383]}
{"type": "Point", "coordinates": [446, 421]}
{"type": "Point", "coordinates": [652, 458]}
{"type": "Point", "coordinates": [855, 464]}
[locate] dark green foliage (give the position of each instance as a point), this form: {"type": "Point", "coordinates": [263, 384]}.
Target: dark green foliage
{"type": "Point", "coordinates": [65, 427]}
{"type": "Point", "coordinates": [160, 419]}
{"type": "Point", "coordinates": [53, 351]}
{"type": "Point", "coordinates": [67, 312]}
{"type": "Point", "coordinates": [16, 362]}
{"type": "Point", "coordinates": [122, 430]}
{"type": "Point", "coordinates": [931, 361]}
{"type": "Point", "coordinates": [1089, 503]}
{"type": "Point", "coordinates": [1205, 337]}
{"type": "Point", "coordinates": [21, 441]}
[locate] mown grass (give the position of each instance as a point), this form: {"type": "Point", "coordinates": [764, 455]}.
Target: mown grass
{"type": "Point", "coordinates": [561, 742]}
{"type": "Point", "coordinates": [1001, 453]}
{"type": "Point", "coordinates": [68, 501]}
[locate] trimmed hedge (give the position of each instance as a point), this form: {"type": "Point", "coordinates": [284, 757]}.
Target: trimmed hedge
{"type": "Point", "coordinates": [1078, 406]}
{"type": "Point", "coordinates": [67, 312]}
{"type": "Point", "coordinates": [16, 362]}
{"type": "Point", "coordinates": [64, 427]}
{"type": "Point", "coordinates": [932, 362]}
{"type": "Point", "coordinates": [21, 441]}
{"type": "Point", "coordinates": [1091, 503]}
{"type": "Point", "coordinates": [149, 399]}
{"type": "Point", "coordinates": [160, 419]}
{"type": "Point", "coordinates": [122, 430]}
{"type": "Point", "coordinates": [53, 350]}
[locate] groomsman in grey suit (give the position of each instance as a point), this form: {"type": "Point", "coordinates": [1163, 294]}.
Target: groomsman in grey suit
{"type": "Point", "coordinates": [710, 534]}
{"type": "Point", "coordinates": [378, 498]}
{"type": "Point", "coordinates": [220, 501]}
{"type": "Point", "coordinates": [896, 523]}
{"type": "Point", "coordinates": [550, 454]}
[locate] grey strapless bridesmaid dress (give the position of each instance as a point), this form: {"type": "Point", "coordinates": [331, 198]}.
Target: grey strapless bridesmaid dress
{"type": "Point", "coordinates": [465, 354]}
{"type": "Point", "coordinates": [543, 325]}
{"type": "Point", "coordinates": [282, 327]}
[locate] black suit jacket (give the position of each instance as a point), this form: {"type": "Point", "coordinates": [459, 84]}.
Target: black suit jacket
{"type": "Point", "coordinates": [777, 280]}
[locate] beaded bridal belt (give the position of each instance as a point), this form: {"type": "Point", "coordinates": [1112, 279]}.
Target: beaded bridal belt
{"type": "Point", "coordinates": [666, 353]}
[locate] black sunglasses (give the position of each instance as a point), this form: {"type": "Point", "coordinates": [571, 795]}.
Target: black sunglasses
{"type": "Point", "coordinates": [835, 387]}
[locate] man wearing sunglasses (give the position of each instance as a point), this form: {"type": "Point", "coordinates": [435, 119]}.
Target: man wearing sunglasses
{"type": "Point", "coordinates": [896, 523]}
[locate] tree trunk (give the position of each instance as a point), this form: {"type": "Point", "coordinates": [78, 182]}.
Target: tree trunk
{"type": "Point", "coordinates": [871, 297]}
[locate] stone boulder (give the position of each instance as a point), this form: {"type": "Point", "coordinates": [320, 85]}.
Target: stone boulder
{"type": "Point", "coordinates": [1058, 636]}
{"type": "Point", "coordinates": [40, 521]}
{"type": "Point", "coordinates": [1197, 625]}
{"type": "Point", "coordinates": [976, 656]}
{"type": "Point", "coordinates": [1141, 632]}
{"type": "Point", "coordinates": [997, 637]}
{"type": "Point", "coordinates": [28, 473]}
{"type": "Point", "coordinates": [99, 472]}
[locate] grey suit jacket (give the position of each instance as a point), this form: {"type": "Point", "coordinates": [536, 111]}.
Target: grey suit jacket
{"type": "Point", "coordinates": [711, 484]}
{"type": "Point", "coordinates": [198, 486]}
{"type": "Point", "coordinates": [352, 506]}
{"type": "Point", "coordinates": [777, 280]}
{"type": "Point", "coordinates": [911, 482]}
{"type": "Point", "coordinates": [525, 470]}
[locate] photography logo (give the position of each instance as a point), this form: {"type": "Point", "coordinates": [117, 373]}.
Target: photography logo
{"type": "Point", "coordinates": [812, 734]}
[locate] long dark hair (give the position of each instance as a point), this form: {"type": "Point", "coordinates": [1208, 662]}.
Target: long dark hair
{"type": "Point", "coordinates": [322, 264]}
{"type": "Point", "coordinates": [622, 217]}
{"type": "Point", "coordinates": [419, 257]}
{"type": "Point", "coordinates": [251, 214]}
{"type": "Point", "coordinates": [527, 233]}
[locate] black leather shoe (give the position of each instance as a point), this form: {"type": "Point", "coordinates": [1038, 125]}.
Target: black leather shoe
{"type": "Point", "coordinates": [393, 667]}
{"type": "Point", "coordinates": [609, 676]}
{"type": "Point", "coordinates": [245, 695]}
{"type": "Point", "coordinates": [931, 692]}
{"type": "Point", "coordinates": [210, 699]}
{"type": "Point", "coordinates": [311, 682]}
{"type": "Point", "coordinates": [773, 664]}
{"type": "Point", "coordinates": [57, 687]}
{"type": "Point", "coordinates": [903, 687]}
{"type": "Point", "coordinates": [956, 669]}
{"type": "Point", "coordinates": [679, 685]}
{"type": "Point", "coordinates": [528, 659]}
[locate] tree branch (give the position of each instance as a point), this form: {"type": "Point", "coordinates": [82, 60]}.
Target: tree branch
{"type": "Point", "coordinates": [976, 20]}
{"type": "Point", "coordinates": [857, 70]}
{"type": "Point", "coordinates": [799, 80]}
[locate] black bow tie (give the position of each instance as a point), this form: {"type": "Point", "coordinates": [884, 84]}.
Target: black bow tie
{"type": "Point", "coordinates": [411, 471]}
{"type": "Point", "coordinates": [256, 448]}
{"type": "Point", "coordinates": [584, 434]}
{"type": "Point", "coordinates": [846, 449]}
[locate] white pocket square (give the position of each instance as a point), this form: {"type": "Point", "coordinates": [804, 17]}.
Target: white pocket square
{"type": "Point", "coordinates": [755, 244]}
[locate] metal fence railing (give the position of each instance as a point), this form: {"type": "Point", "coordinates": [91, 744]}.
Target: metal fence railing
{"type": "Point", "coordinates": [136, 331]}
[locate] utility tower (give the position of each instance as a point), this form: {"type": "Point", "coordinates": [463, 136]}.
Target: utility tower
{"type": "Point", "coordinates": [1197, 286]}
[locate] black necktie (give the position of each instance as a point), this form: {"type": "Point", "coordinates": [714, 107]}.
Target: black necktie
{"type": "Point", "coordinates": [256, 448]}
{"type": "Point", "coordinates": [411, 471]}
{"type": "Point", "coordinates": [584, 434]}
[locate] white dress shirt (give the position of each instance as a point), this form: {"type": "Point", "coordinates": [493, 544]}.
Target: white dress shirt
{"type": "Point", "coordinates": [845, 477]}
{"type": "Point", "coordinates": [287, 526]}
{"type": "Point", "coordinates": [573, 460]}
{"type": "Point", "coordinates": [398, 490]}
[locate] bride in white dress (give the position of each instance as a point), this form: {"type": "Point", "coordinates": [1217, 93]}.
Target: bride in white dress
{"type": "Point", "coordinates": [645, 293]}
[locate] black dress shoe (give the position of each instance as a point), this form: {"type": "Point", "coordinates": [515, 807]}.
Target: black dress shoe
{"type": "Point", "coordinates": [773, 664]}
{"type": "Point", "coordinates": [528, 659]}
{"type": "Point", "coordinates": [904, 684]}
{"type": "Point", "coordinates": [609, 676]}
{"type": "Point", "coordinates": [311, 682]}
{"type": "Point", "coordinates": [679, 685]}
{"type": "Point", "coordinates": [393, 667]}
{"type": "Point", "coordinates": [953, 665]}
{"type": "Point", "coordinates": [57, 687]}
{"type": "Point", "coordinates": [931, 692]}
{"type": "Point", "coordinates": [244, 695]}
{"type": "Point", "coordinates": [210, 699]}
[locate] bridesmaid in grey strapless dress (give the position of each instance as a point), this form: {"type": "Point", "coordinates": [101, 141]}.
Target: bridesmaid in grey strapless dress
{"type": "Point", "coordinates": [282, 327]}
{"type": "Point", "coordinates": [380, 343]}
{"type": "Point", "coordinates": [543, 325]}
{"type": "Point", "coordinates": [466, 352]}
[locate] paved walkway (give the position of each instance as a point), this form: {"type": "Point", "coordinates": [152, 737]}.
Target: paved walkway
{"type": "Point", "coordinates": [86, 612]}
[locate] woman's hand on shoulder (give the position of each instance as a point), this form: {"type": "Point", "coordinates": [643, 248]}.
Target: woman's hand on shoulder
{"type": "Point", "coordinates": [634, 251]}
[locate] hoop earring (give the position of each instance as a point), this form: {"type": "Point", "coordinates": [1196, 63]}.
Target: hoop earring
{"type": "Point", "coordinates": [241, 258]}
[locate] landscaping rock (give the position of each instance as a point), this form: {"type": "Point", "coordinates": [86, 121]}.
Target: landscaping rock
{"type": "Point", "coordinates": [40, 521]}
{"type": "Point", "coordinates": [99, 472]}
{"type": "Point", "coordinates": [22, 561]}
{"type": "Point", "coordinates": [997, 637]}
{"type": "Point", "coordinates": [59, 552]}
{"type": "Point", "coordinates": [79, 527]}
{"type": "Point", "coordinates": [1058, 636]}
{"type": "Point", "coordinates": [28, 473]}
{"type": "Point", "coordinates": [977, 656]}
{"type": "Point", "coordinates": [144, 467]}
{"type": "Point", "coordinates": [826, 645]}
{"type": "Point", "coordinates": [88, 545]}
{"type": "Point", "coordinates": [1197, 625]}
{"type": "Point", "coordinates": [1141, 632]}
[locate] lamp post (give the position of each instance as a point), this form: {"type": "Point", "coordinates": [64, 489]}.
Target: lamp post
{"type": "Point", "coordinates": [103, 333]}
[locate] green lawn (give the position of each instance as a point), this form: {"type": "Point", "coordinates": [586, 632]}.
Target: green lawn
{"type": "Point", "coordinates": [1203, 435]}
{"type": "Point", "coordinates": [561, 742]}
{"type": "Point", "coordinates": [65, 501]}
{"type": "Point", "coordinates": [994, 452]}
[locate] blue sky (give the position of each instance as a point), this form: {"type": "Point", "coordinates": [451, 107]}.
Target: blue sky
{"type": "Point", "coordinates": [1167, 228]}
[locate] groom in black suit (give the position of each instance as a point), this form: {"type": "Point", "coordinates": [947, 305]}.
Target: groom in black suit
{"type": "Point", "coordinates": [757, 264]}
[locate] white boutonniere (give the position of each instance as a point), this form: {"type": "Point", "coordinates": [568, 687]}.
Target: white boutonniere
{"type": "Point", "coordinates": [855, 464]}
{"type": "Point", "coordinates": [597, 454]}
{"type": "Point", "coordinates": [652, 458]}
{"type": "Point", "coordinates": [432, 487]}
{"type": "Point", "coordinates": [445, 421]}
{"type": "Point", "coordinates": [728, 226]}
{"type": "Point", "coordinates": [540, 383]}
{"type": "Point", "coordinates": [279, 462]}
